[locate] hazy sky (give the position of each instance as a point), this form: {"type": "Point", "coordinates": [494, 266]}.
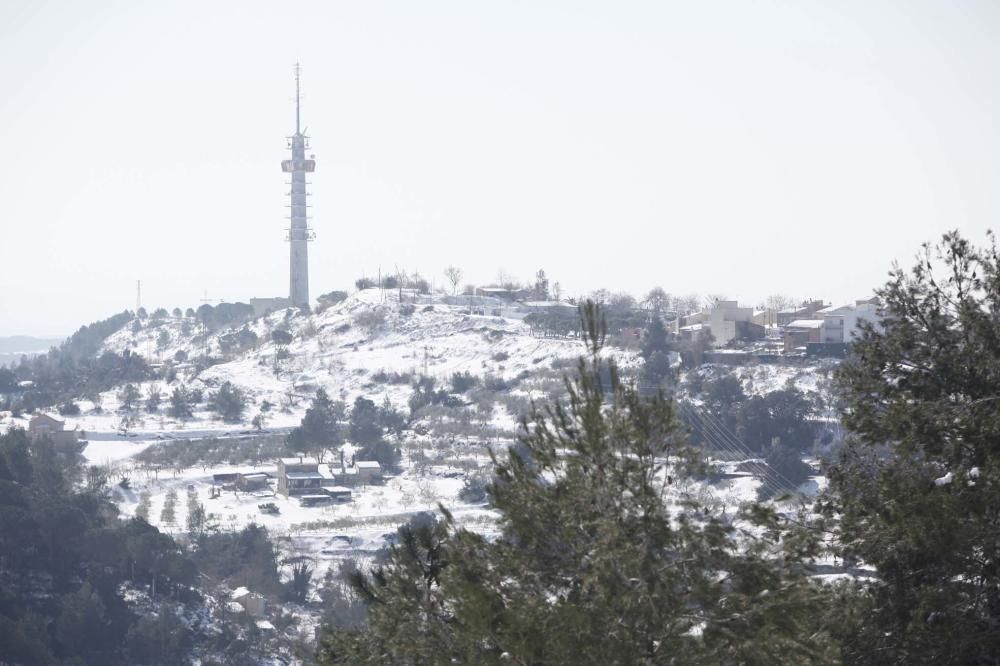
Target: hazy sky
{"type": "Point", "coordinates": [742, 148]}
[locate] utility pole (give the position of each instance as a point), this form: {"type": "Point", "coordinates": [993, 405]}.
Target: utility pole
{"type": "Point", "coordinates": [138, 295]}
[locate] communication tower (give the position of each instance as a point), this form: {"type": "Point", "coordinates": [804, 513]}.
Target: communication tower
{"type": "Point", "coordinates": [299, 233]}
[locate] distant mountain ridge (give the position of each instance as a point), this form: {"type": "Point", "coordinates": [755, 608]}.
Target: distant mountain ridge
{"type": "Point", "coordinates": [20, 344]}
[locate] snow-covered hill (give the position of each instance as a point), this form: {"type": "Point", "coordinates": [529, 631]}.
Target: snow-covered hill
{"type": "Point", "coordinates": [343, 350]}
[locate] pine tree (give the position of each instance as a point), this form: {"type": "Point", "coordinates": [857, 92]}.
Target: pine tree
{"type": "Point", "coordinates": [180, 405]}
{"type": "Point", "coordinates": [919, 487]}
{"type": "Point", "coordinates": [229, 403]}
{"type": "Point", "coordinates": [593, 565]}
{"type": "Point", "coordinates": [128, 396]}
{"type": "Point", "coordinates": [319, 429]}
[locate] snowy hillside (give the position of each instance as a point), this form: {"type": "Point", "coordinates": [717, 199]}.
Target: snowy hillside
{"type": "Point", "coordinates": [340, 350]}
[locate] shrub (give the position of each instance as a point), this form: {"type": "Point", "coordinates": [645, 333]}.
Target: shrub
{"type": "Point", "coordinates": [69, 408]}
{"type": "Point", "coordinates": [463, 381]}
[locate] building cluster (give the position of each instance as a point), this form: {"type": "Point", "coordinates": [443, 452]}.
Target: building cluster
{"type": "Point", "coordinates": [812, 328]}
{"type": "Point", "coordinates": [309, 480]}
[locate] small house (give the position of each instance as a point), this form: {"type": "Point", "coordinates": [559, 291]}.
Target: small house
{"type": "Point", "coordinates": [43, 425]}
{"type": "Point", "coordinates": [368, 470]}
{"type": "Point", "coordinates": [252, 481]}
{"type": "Point", "coordinates": [801, 332]}
{"type": "Point", "coordinates": [251, 602]}
{"type": "Point", "coordinates": [298, 477]}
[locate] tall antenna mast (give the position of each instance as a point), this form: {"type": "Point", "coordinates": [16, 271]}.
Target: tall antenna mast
{"type": "Point", "coordinates": [299, 233]}
{"type": "Point", "coordinates": [298, 70]}
{"type": "Point", "coordinates": [138, 295]}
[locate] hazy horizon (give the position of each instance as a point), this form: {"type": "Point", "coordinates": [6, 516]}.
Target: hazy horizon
{"type": "Point", "coordinates": [734, 148]}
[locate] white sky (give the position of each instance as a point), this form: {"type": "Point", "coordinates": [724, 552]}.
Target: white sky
{"type": "Point", "coordinates": [741, 148]}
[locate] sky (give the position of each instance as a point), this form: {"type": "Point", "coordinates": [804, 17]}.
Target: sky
{"type": "Point", "coordinates": [731, 148]}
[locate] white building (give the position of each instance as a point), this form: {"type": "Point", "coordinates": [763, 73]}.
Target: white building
{"type": "Point", "coordinates": [843, 323]}
{"type": "Point", "coordinates": [728, 321]}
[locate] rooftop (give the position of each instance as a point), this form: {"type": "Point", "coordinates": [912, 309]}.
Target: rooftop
{"type": "Point", "coordinates": [304, 475]}
{"type": "Point", "coordinates": [299, 461]}
{"type": "Point", "coordinates": [806, 323]}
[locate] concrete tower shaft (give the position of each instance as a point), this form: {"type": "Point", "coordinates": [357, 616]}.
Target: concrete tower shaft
{"type": "Point", "coordinates": [299, 233]}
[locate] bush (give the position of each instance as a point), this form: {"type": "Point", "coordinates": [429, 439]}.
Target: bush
{"type": "Point", "coordinates": [364, 283]}
{"type": "Point", "coordinates": [383, 377]}
{"type": "Point", "coordinates": [69, 408]}
{"type": "Point", "coordinates": [474, 489]}
{"type": "Point", "coordinates": [496, 383]}
{"type": "Point", "coordinates": [370, 320]}
{"type": "Point", "coordinates": [463, 381]}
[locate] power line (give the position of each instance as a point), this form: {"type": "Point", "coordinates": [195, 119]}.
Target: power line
{"type": "Point", "coordinates": [721, 429]}
{"type": "Point", "coordinates": [719, 441]}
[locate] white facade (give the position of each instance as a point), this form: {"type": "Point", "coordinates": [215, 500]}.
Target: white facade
{"type": "Point", "coordinates": [842, 324]}
{"type": "Point", "coordinates": [722, 319]}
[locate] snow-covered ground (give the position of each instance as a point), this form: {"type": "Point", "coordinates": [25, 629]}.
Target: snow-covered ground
{"type": "Point", "coordinates": [344, 350]}
{"type": "Point", "coordinates": [336, 350]}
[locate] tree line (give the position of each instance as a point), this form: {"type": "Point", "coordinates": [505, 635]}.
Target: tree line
{"type": "Point", "coordinates": [592, 566]}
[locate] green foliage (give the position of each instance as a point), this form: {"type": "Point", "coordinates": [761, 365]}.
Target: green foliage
{"type": "Point", "coordinates": [184, 453]}
{"type": "Point", "coordinates": [298, 586]}
{"type": "Point", "coordinates": [319, 430]}
{"type": "Point", "coordinates": [168, 514]}
{"type": "Point", "coordinates": [65, 557]}
{"type": "Point", "coordinates": [229, 403]}
{"type": "Point", "coordinates": [74, 368]}
{"type": "Point", "coordinates": [424, 394]}
{"type": "Point", "coordinates": [180, 404]}
{"type": "Point", "coordinates": [224, 315]}
{"type": "Point", "coordinates": [364, 428]}
{"type": "Point", "coordinates": [239, 558]}
{"type": "Point", "coordinates": [195, 513]}
{"type": "Point", "coordinates": [238, 341]}
{"type": "Point", "coordinates": [157, 639]}
{"type": "Point", "coordinates": [8, 380]}
{"type": "Point", "coordinates": [153, 398]}
{"type": "Point", "coordinates": [128, 396]}
{"type": "Point", "coordinates": [143, 506]}
{"type": "Point", "coordinates": [280, 336]}
{"type": "Point", "coordinates": [463, 381]}
{"type": "Point", "coordinates": [69, 408]}
{"type": "Point", "coordinates": [592, 566]}
{"type": "Point", "coordinates": [759, 422]}
{"type": "Point", "coordinates": [922, 395]}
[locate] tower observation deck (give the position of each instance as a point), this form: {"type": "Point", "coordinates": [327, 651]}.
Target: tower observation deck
{"type": "Point", "coordinates": [299, 233]}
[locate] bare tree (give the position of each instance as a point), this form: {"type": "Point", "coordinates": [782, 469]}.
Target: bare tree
{"type": "Point", "coordinates": [688, 304]}
{"type": "Point", "coordinates": [454, 276]}
{"type": "Point", "coordinates": [657, 299]}
{"type": "Point", "coordinates": [779, 302]}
